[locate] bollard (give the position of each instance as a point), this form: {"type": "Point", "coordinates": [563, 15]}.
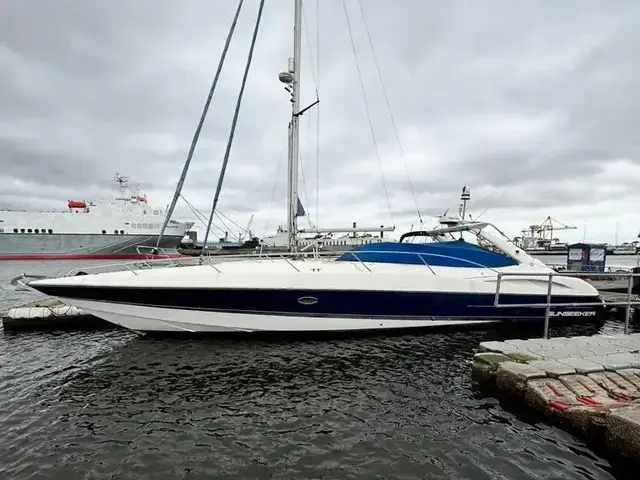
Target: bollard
{"type": "Point", "coordinates": [547, 311]}
{"type": "Point", "coordinates": [627, 312]}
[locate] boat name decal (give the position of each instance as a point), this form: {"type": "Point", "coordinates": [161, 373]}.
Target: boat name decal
{"type": "Point", "coordinates": [574, 313]}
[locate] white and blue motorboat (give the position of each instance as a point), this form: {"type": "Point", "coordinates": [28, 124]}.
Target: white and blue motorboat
{"type": "Point", "coordinates": [447, 281]}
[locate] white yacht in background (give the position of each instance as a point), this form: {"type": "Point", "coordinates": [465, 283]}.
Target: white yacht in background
{"type": "Point", "coordinates": [328, 239]}
{"type": "Point", "coordinates": [107, 229]}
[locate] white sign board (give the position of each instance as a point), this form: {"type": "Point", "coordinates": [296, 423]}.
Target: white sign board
{"type": "Point", "coordinates": [597, 254]}
{"type": "Point", "coordinates": [575, 254]}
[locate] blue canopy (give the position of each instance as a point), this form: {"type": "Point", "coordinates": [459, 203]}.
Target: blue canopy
{"type": "Point", "coordinates": [437, 254]}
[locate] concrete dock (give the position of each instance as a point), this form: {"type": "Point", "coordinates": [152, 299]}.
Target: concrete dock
{"type": "Point", "coordinates": [587, 385]}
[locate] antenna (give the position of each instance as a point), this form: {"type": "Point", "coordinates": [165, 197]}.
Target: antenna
{"type": "Point", "coordinates": [122, 181]}
{"type": "Point", "coordinates": [465, 196]}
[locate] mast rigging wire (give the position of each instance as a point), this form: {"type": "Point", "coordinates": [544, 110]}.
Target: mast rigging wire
{"type": "Point", "coordinates": [201, 217]}
{"type": "Point", "coordinates": [235, 119]}
{"type": "Point", "coordinates": [393, 121]}
{"type": "Point", "coordinates": [366, 104]}
{"type": "Point", "coordinates": [317, 80]}
{"type": "Point", "coordinates": [220, 215]}
{"type": "Point", "coordinates": [196, 135]}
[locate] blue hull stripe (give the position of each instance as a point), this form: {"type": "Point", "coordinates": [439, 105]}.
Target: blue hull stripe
{"type": "Point", "coordinates": [325, 303]}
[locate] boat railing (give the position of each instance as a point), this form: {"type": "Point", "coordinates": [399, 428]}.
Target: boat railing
{"type": "Point", "coordinates": [172, 262]}
{"type": "Point", "coordinates": [215, 260]}
{"type": "Point", "coordinates": [629, 301]}
{"type": "Point", "coordinates": [131, 265]}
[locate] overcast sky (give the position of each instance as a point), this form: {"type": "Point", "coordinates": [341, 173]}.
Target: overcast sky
{"type": "Point", "coordinates": [534, 104]}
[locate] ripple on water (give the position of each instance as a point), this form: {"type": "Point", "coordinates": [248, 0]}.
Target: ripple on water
{"type": "Point", "coordinates": [110, 404]}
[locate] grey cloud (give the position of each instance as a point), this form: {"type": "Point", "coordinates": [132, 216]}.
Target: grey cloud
{"type": "Point", "coordinates": [512, 97]}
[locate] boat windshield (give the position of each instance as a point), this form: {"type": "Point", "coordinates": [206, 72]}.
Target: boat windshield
{"type": "Point", "coordinates": [481, 234]}
{"type": "Point", "coordinates": [463, 244]}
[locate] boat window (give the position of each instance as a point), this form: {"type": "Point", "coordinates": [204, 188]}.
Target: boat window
{"type": "Point", "coordinates": [145, 225]}
{"type": "Point", "coordinates": [36, 231]}
{"type": "Point", "coordinates": [15, 230]}
{"type": "Point", "coordinates": [22, 230]}
{"type": "Point", "coordinates": [1, 230]}
{"type": "Point", "coordinates": [50, 231]}
{"type": "Point", "coordinates": [29, 230]}
{"type": "Point", "coordinates": [121, 232]}
{"type": "Point", "coordinates": [115, 231]}
{"type": "Point", "coordinates": [104, 232]}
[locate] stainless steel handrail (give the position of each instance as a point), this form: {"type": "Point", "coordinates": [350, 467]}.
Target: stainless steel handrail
{"type": "Point", "coordinates": [629, 302]}
{"type": "Point", "coordinates": [213, 260]}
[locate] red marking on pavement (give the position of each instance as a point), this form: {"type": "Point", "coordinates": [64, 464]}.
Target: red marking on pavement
{"type": "Point", "coordinates": [586, 387]}
{"type": "Point", "coordinates": [555, 390]}
{"type": "Point", "coordinates": [558, 405]}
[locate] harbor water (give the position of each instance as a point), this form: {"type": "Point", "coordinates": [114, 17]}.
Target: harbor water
{"type": "Point", "coordinates": [113, 404]}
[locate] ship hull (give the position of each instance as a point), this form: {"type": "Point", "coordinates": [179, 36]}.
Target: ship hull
{"type": "Point", "coordinates": [69, 246]}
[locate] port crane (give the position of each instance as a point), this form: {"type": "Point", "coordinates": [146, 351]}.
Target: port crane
{"type": "Point", "coordinates": [545, 229]}
{"type": "Point", "coordinates": [247, 230]}
{"type": "Point", "coordinates": [541, 235]}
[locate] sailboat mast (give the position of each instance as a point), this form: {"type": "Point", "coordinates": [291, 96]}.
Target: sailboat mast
{"type": "Point", "coordinates": [294, 129]}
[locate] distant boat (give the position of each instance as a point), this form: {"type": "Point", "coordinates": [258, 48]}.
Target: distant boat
{"type": "Point", "coordinates": [109, 229]}
{"type": "Point", "coordinates": [329, 239]}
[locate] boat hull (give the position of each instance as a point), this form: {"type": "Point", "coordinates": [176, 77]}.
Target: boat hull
{"type": "Point", "coordinates": [155, 319]}
{"type": "Point", "coordinates": [219, 310]}
{"type": "Point", "coordinates": [69, 246]}
{"type": "Point", "coordinates": [279, 295]}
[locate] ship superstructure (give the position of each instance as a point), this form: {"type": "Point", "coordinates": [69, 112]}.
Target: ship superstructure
{"type": "Point", "coordinates": [109, 228]}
